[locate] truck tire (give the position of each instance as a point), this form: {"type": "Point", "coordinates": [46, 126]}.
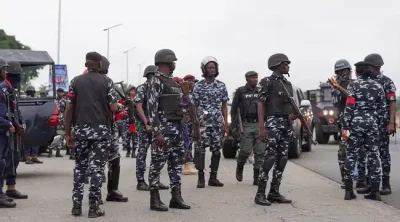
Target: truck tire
{"type": "Point", "coordinates": [336, 137]}
{"type": "Point", "coordinates": [229, 148]}
{"type": "Point", "coordinates": [295, 149]}
{"type": "Point", "coordinates": [321, 137]}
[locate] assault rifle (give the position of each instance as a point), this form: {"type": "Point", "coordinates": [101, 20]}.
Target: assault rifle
{"type": "Point", "coordinates": [11, 136]}
{"type": "Point", "coordinates": [239, 117]}
{"type": "Point", "coordinates": [297, 112]}
{"type": "Point", "coordinates": [128, 103]}
{"type": "Point", "coordinates": [192, 111]}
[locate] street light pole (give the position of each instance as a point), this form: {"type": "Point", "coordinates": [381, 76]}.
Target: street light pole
{"type": "Point", "coordinates": [127, 63]}
{"type": "Point", "coordinates": [59, 32]}
{"type": "Point", "coordinates": [108, 38]}
{"type": "Point", "coordinates": [140, 73]}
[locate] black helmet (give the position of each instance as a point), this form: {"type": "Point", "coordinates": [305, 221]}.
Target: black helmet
{"type": "Point", "coordinates": [342, 64]}
{"type": "Point", "coordinates": [374, 59]}
{"type": "Point", "coordinates": [14, 67]}
{"type": "Point", "coordinates": [3, 63]}
{"type": "Point", "coordinates": [164, 56]}
{"type": "Point", "coordinates": [207, 60]}
{"type": "Point", "coordinates": [130, 89]}
{"type": "Point", "coordinates": [105, 64]}
{"type": "Point", "coordinates": [149, 70]}
{"type": "Point", "coordinates": [30, 89]}
{"type": "Point", "coordinates": [277, 59]}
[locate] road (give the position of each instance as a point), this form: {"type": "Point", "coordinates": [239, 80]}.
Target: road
{"type": "Point", "coordinates": [323, 160]}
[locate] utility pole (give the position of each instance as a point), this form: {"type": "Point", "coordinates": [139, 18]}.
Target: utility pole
{"type": "Point", "coordinates": [127, 63]}
{"type": "Point", "coordinates": [59, 32]}
{"type": "Point", "coordinates": [108, 38]}
{"type": "Point", "coordinates": [140, 73]}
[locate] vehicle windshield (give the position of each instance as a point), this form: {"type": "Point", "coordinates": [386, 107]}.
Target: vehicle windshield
{"type": "Point", "coordinates": [326, 95]}
{"type": "Point", "coordinates": [40, 78]}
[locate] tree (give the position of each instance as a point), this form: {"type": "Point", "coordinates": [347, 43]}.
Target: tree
{"type": "Point", "coordinates": [10, 42]}
{"type": "Point", "coordinates": [42, 89]}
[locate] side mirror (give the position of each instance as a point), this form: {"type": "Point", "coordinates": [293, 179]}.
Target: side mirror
{"type": "Point", "coordinates": [305, 103]}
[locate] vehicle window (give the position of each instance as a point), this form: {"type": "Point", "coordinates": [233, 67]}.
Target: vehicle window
{"type": "Point", "coordinates": [300, 95]}
{"type": "Point", "coordinates": [326, 95]}
{"type": "Point", "coordinates": [296, 97]}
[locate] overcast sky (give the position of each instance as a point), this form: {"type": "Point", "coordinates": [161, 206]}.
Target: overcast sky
{"type": "Point", "coordinates": [240, 34]}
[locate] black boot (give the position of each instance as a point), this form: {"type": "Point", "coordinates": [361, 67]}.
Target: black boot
{"type": "Point", "coordinates": [142, 185]}
{"type": "Point", "coordinates": [128, 153]}
{"type": "Point", "coordinates": [113, 182]}
{"type": "Point", "coordinates": [58, 154]}
{"type": "Point", "coordinates": [5, 203]}
{"type": "Point", "coordinates": [349, 195]}
{"type": "Point", "coordinates": [213, 181]}
{"type": "Point", "coordinates": [386, 189]}
{"type": "Point", "coordinates": [50, 155]}
{"type": "Point", "coordinates": [260, 198]}
{"type": "Point", "coordinates": [374, 194]}
{"type": "Point", "coordinates": [342, 185]}
{"type": "Point", "coordinates": [361, 183]}
{"type": "Point", "coordinates": [133, 154]}
{"type": "Point", "coordinates": [72, 154]}
{"type": "Point", "coordinates": [239, 172]}
{"type": "Point", "coordinates": [86, 180]}
{"type": "Point", "coordinates": [68, 151]}
{"type": "Point", "coordinates": [162, 186]}
{"type": "Point", "coordinates": [364, 190]}
{"type": "Point", "coordinates": [201, 183]}
{"type": "Point", "coordinates": [176, 200]}
{"type": "Point", "coordinates": [155, 201]}
{"type": "Point", "coordinates": [76, 209]}
{"type": "Point", "coordinates": [94, 209]}
{"type": "Point", "coordinates": [255, 176]}
{"type": "Point", "coordinates": [275, 196]}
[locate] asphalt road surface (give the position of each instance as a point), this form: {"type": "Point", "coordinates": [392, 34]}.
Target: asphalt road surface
{"type": "Point", "coordinates": [323, 160]}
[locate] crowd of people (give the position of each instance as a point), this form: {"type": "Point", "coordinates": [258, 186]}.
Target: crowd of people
{"type": "Point", "coordinates": [170, 115]}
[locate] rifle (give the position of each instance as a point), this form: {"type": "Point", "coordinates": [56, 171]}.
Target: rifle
{"type": "Point", "coordinates": [298, 112]}
{"type": "Point", "coordinates": [239, 117]}
{"type": "Point", "coordinates": [192, 111]}
{"type": "Point", "coordinates": [128, 103]}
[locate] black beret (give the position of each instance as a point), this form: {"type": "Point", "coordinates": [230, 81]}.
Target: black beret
{"type": "Point", "coordinates": [250, 74]}
{"type": "Point", "coordinates": [60, 90]}
{"type": "Point", "coordinates": [94, 56]}
{"type": "Point", "coordinates": [363, 63]}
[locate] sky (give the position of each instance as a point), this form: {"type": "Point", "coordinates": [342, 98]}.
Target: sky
{"type": "Point", "coordinates": [242, 35]}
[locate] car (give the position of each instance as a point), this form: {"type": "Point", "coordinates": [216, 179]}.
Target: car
{"type": "Point", "coordinates": [40, 114]}
{"type": "Point", "coordinates": [302, 141]}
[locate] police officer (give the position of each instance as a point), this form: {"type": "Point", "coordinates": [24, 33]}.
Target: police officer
{"type": "Point", "coordinates": [13, 81]}
{"type": "Point", "coordinates": [364, 112]}
{"type": "Point", "coordinates": [274, 112]}
{"type": "Point", "coordinates": [6, 127]}
{"type": "Point", "coordinates": [389, 126]}
{"type": "Point", "coordinates": [61, 104]}
{"type": "Point", "coordinates": [211, 97]}
{"type": "Point", "coordinates": [144, 133]}
{"type": "Point", "coordinates": [339, 94]}
{"type": "Point", "coordinates": [114, 158]}
{"type": "Point", "coordinates": [90, 110]}
{"type": "Point", "coordinates": [134, 137]}
{"type": "Point", "coordinates": [165, 116]}
{"type": "Point", "coordinates": [30, 91]}
{"type": "Point", "coordinates": [246, 99]}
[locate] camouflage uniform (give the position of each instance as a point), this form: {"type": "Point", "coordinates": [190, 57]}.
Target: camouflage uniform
{"type": "Point", "coordinates": [365, 107]}
{"type": "Point", "coordinates": [390, 90]}
{"type": "Point", "coordinates": [208, 98]}
{"type": "Point", "coordinates": [92, 146]}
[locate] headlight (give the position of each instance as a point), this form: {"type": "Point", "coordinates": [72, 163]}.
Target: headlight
{"type": "Point", "coordinates": [229, 118]}
{"type": "Point", "coordinates": [325, 112]}
{"type": "Point", "coordinates": [331, 112]}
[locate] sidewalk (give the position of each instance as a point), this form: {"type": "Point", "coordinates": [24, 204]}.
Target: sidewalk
{"type": "Point", "coordinates": [315, 198]}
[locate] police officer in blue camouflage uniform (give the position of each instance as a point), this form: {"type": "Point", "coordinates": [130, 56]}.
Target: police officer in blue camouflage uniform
{"type": "Point", "coordinates": [165, 114]}
{"type": "Point", "coordinates": [389, 123]}
{"type": "Point", "coordinates": [114, 157]}
{"type": "Point", "coordinates": [210, 97]}
{"type": "Point", "coordinates": [339, 94]}
{"type": "Point", "coordinates": [61, 104]}
{"type": "Point", "coordinates": [275, 125]}
{"type": "Point", "coordinates": [6, 127]}
{"type": "Point", "coordinates": [90, 110]}
{"type": "Point", "coordinates": [246, 100]}
{"type": "Point", "coordinates": [362, 118]}
{"type": "Point", "coordinates": [144, 134]}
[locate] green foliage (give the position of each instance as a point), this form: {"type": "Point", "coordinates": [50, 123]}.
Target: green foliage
{"type": "Point", "coordinates": [10, 42]}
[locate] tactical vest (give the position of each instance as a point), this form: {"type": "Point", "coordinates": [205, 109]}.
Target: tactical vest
{"type": "Point", "coordinates": [277, 103]}
{"type": "Point", "coordinates": [249, 103]}
{"type": "Point", "coordinates": [91, 95]}
{"type": "Point", "coordinates": [170, 101]}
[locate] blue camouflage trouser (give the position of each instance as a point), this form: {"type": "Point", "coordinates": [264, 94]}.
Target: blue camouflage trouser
{"type": "Point", "coordinates": [144, 143]}
{"type": "Point", "coordinates": [279, 136]}
{"type": "Point", "coordinates": [4, 154]}
{"type": "Point", "coordinates": [172, 151]}
{"type": "Point", "coordinates": [364, 133]}
{"type": "Point", "coordinates": [90, 156]}
{"type": "Point", "coordinates": [385, 153]}
{"type": "Point", "coordinates": [187, 141]}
